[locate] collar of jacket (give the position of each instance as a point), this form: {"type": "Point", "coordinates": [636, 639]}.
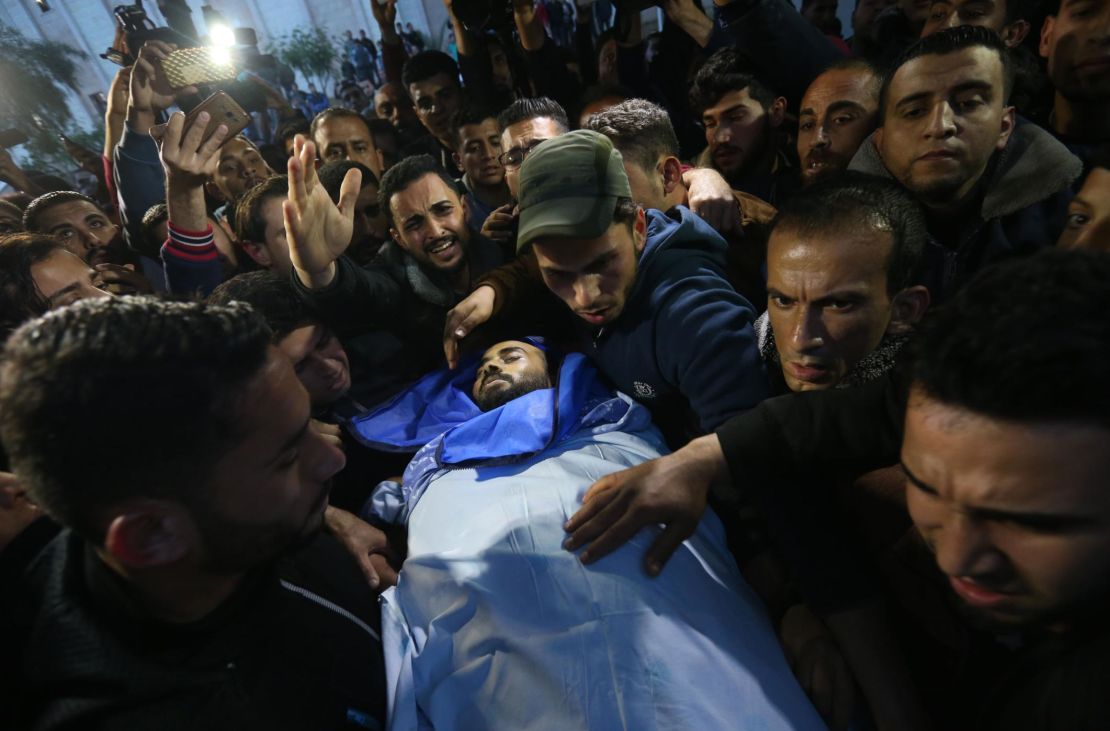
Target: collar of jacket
{"type": "Point", "coordinates": [1033, 166]}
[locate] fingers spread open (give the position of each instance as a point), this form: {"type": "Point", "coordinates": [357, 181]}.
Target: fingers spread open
{"type": "Point", "coordinates": [348, 192]}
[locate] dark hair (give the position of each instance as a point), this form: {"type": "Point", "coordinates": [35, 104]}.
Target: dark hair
{"type": "Point", "coordinates": [726, 71]}
{"type": "Point", "coordinates": [640, 130]}
{"type": "Point", "coordinates": [335, 113]}
{"type": "Point", "coordinates": [118, 397]}
{"type": "Point", "coordinates": [407, 172]}
{"type": "Point", "coordinates": [1100, 158]}
{"type": "Point", "coordinates": [625, 211]}
{"type": "Point", "coordinates": [20, 299]}
{"type": "Point", "coordinates": [532, 108]}
{"type": "Point", "coordinates": [291, 128]}
{"type": "Point", "coordinates": [1025, 340]}
{"type": "Point", "coordinates": [853, 200]}
{"type": "Point", "coordinates": [271, 295]}
{"type": "Point", "coordinates": [427, 64]}
{"type": "Point", "coordinates": [857, 63]}
{"type": "Point", "coordinates": [46, 201]}
{"type": "Point", "coordinates": [951, 40]}
{"type": "Point", "coordinates": [381, 127]}
{"type": "Point", "coordinates": [6, 205]}
{"type": "Point", "coordinates": [249, 223]}
{"type": "Point", "coordinates": [469, 113]}
{"type": "Point", "coordinates": [331, 176]}
{"type": "Point", "coordinates": [1022, 10]}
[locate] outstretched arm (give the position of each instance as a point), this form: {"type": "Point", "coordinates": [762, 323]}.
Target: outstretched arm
{"type": "Point", "coordinates": [317, 230]}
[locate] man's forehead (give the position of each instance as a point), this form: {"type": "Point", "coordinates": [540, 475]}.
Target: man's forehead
{"type": "Point", "coordinates": [853, 85]}
{"type": "Point", "coordinates": [526, 130]}
{"type": "Point", "coordinates": [479, 131]}
{"type": "Point", "coordinates": [510, 345]}
{"type": "Point", "coordinates": [940, 72]}
{"type": "Point", "coordinates": [345, 126]}
{"type": "Point", "coordinates": [430, 86]}
{"type": "Point", "coordinates": [843, 255]}
{"type": "Point", "coordinates": [76, 210]}
{"type": "Point", "coordinates": [236, 148]}
{"type": "Point", "coordinates": [734, 98]}
{"type": "Point", "coordinates": [421, 193]}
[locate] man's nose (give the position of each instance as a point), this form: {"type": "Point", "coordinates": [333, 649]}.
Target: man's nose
{"type": "Point", "coordinates": [807, 332]}
{"type": "Point", "coordinates": [963, 547]}
{"type": "Point", "coordinates": [586, 291]}
{"type": "Point", "coordinates": [942, 121]}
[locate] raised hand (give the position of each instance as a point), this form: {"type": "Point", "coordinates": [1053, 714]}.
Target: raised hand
{"type": "Point", "coordinates": [187, 162]}
{"type": "Point", "coordinates": [317, 230]}
{"type": "Point", "coordinates": [150, 91]}
{"type": "Point", "coordinates": [713, 200]}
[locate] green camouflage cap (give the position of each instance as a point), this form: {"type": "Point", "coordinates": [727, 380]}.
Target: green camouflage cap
{"type": "Point", "coordinates": [569, 186]}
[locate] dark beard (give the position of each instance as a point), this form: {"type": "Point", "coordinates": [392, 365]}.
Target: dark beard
{"type": "Point", "coordinates": [487, 401]}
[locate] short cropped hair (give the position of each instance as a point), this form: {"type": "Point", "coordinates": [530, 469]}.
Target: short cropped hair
{"type": "Point", "coordinates": [527, 108]}
{"type": "Point", "coordinates": [852, 200]}
{"type": "Point", "coordinates": [334, 113]}
{"type": "Point", "coordinates": [331, 176]}
{"type": "Point", "coordinates": [427, 64]}
{"type": "Point", "coordinates": [1026, 340]}
{"type": "Point", "coordinates": [469, 113]}
{"type": "Point", "coordinates": [20, 298]}
{"type": "Point", "coordinates": [291, 128]}
{"type": "Point", "coordinates": [75, 438]}
{"type": "Point", "coordinates": [13, 209]}
{"type": "Point", "coordinates": [951, 40]}
{"type": "Point", "coordinates": [46, 201]}
{"type": "Point", "coordinates": [407, 172]}
{"type": "Point", "coordinates": [249, 223]}
{"type": "Point", "coordinates": [271, 295]}
{"type": "Point", "coordinates": [640, 130]}
{"type": "Point", "coordinates": [724, 72]}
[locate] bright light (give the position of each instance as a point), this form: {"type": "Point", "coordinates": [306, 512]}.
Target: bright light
{"type": "Point", "coordinates": [220, 36]}
{"type": "Point", "coordinates": [221, 56]}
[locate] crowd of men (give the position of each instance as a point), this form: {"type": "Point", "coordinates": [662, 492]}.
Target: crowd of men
{"type": "Point", "coordinates": [862, 286]}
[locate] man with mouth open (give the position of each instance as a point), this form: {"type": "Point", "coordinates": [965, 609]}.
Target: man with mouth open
{"type": "Point", "coordinates": [429, 266]}
{"type": "Point", "coordinates": [992, 186]}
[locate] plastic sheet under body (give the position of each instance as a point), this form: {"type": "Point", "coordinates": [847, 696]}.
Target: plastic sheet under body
{"type": "Point", "coordinates": [493, 625]}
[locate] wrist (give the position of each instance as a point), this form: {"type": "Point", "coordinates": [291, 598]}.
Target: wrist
{"type": "Point", "coordinates": [317, 280]}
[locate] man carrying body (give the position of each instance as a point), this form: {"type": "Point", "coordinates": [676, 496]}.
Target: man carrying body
{"type": "Point", "coordinates": [506, 444]}
{"type": "Point", "coordinates": [1004, 449]}
{"type": "Point", "coordinates": [990, 189]}
{"type": "Point", "coordinates": [650, 301]}
{"type": "Point", "coordinates": [182, 571]}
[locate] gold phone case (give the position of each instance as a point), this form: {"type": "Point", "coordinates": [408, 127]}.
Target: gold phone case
{"type": "Point", "coordinates": [221, 109]}
{"type": "Point", "coordinates": [192, 66]}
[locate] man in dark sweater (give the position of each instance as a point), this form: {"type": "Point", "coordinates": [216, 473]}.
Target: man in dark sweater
{"type": "Point", "coordinates": [1002, 590]}
{"type": "Point", "coordinates": [191, 587]}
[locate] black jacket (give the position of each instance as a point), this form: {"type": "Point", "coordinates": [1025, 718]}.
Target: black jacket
{"type": "Point", "coordinates": [296, 647]}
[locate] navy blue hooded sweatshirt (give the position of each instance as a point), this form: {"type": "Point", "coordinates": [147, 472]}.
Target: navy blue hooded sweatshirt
{"type": "Point", "coordinates": [685, 339]}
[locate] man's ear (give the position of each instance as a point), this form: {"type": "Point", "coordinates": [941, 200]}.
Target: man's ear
{"type": "Point", "coordinates": [639, 230]}
{"type": "Point", "coordinates": [466, 210]}
{"type": "Point", "coordinates": [259, 253]}
{"type": "Point", "coordinates": [777, 111]}
{"type": "Point", "coordinates": [148, 533]}
{"type": "Point", "coordinates": [1046, 35]}
{"type": "Point", "coordinates": [877, 138]}
{"type": "Point", "coordinates": [907, 308]}
{"type": "Point", "coordinates": [672, 173]}
{"type": "Point", "coordinates": [1007, 127]}
{"type": "Point", "coordinates": [1014, 33]}
{"type": "Point", "coordinates": [457, 159]}
{"type": "Point", "coordinates": [381, 162]}
{"type": "Point", "coordinates": [397, 237]}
